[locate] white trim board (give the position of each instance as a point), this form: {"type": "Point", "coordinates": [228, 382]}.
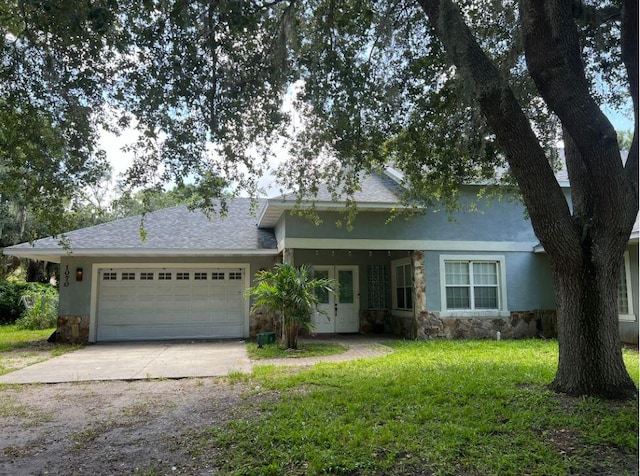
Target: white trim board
{"type": "Point", "coordinates": [54, 255]}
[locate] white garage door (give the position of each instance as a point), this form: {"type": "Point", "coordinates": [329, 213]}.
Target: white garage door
{"type": "Point", "coordinates": [142, 304]}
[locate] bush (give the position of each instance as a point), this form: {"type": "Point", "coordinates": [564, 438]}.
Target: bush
{"type": "Point", "coordinates": [10, 306]}
{"type": "Point", "coordinates": [42, 312]}
{"type": "Point", "coordinates": [11, 292]}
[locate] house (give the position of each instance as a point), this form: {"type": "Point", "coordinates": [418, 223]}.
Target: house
{"type": "Point", "coordinates": [418, 276]}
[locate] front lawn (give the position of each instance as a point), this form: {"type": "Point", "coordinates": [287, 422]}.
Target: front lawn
{"type": "Point", "coordinates": [20, 347]}
{"type": "Point", "coordinates": [433, 408]}
{"type": "Point", "coordinates": [305, 349]}
{"type": "Point", "coordinates": [12, 338]}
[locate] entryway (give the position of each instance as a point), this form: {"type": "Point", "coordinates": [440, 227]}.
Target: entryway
{"type": "Point", "coordinates": [340, 311]}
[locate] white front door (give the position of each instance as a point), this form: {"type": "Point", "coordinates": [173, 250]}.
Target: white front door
{"type": "Point", "coordinates": [339, 311]}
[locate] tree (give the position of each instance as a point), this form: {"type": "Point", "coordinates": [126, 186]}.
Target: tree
{"type": "Point", "coordinates": [290, 293]}
{"type": "Point", "coordinates": [449, 91]}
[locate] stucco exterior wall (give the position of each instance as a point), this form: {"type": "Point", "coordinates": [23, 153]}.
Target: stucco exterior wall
{"type": "Point", "coordinates": [495, 220]}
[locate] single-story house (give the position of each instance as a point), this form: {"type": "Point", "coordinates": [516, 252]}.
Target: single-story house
{"type": "Point", "coordinates": [417, 276]}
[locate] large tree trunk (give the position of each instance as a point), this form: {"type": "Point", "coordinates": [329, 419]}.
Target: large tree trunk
{"type": "Point", "coordinates": [585, 246]}
{"type": "Point", "coordinates": [590, 360]}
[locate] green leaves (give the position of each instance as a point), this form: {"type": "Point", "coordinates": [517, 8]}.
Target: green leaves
{"type": "Point", "coordinates": [291, 293]}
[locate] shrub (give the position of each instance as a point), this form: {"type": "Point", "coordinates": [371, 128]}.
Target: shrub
{"type": "Point", "coordinates": [42, 312]}
{"type": "Point", "coordinates": [10, 306]}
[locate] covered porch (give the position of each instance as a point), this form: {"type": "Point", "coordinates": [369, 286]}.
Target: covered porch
{"type": "Point", "coordinates": [378, 291]}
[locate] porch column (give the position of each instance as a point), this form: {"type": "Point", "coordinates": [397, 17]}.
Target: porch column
{"type": "Point", "coordinates": [287, 256]}
{"type": "Point", "coordinates": [419, 292]}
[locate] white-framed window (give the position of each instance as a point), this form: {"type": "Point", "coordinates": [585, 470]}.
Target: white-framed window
{"type": "Point", "coordinates": [473, 285]}
{"type": "Point", "coordinates": [402, 284]}
{"type": "Point", "coordinates": [128, 276]}
{"type": "Point", "coordinates": [625, 296]}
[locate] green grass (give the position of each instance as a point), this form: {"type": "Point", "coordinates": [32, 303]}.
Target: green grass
{"type": "Point", "coordinates": [28, 346]}
{"type": "Point", "coordinates": [306, 349]}
{"type": "Point", "coordinates": [441, 408]}
{"type": "Point", "coordinates": [12, 338]}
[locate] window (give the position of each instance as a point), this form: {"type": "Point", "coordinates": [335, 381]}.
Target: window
{"type": "Point", "coordinates": [109, 276]}
{"type": "Point", "coordinates": [473, 284]}
{"type": "Point", "coordinates": [378, 284]}
{"type": "Point", "coordinates": [144, 276]}
{"type": "Point", "coordinates": [217, 276]}
{"type": "Point", "coordinates": [199, 276]}
{"type": "Point", "coordinates": [321, 293]}
{"type": "Point", "coordinates": [403, 285]}
{"type": "Point", "coordinates": [126, 276]}
{"type": "Point", "coordinates": [182, 276]}
{"type": "Point", "coordinates": [625, 305]}
{"type": "Point", "coordinates": [235, 275]}
{"type": "Point", "coordinates": [164, 276]}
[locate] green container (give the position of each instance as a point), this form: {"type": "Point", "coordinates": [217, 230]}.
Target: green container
{"type": "Point", "coordinates": [265, 338]}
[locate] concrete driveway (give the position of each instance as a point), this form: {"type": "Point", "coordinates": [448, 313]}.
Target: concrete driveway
{"type": "Point", "coordinates": [138, 360]}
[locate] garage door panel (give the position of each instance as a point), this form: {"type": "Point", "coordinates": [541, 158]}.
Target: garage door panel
{"type": "Point", "coordinates": [155, 304]}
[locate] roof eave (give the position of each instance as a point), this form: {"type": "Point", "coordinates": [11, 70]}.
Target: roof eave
{"type": "Point", "coordinates": [272, 212]}
{"type": "Point", "coordinates": [55, 255]}
{"type": "Point", "coordinates": [633, 240]}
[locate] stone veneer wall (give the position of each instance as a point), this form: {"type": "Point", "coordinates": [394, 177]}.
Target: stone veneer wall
{"type": "Point", "coordinates": [519, 325]}
{"type": "Point", "coordinates": [260, 321]}
{"type": "Point", "coordinates": [73, 330]}
{"type": "Point", "coordinates": [375, 321]}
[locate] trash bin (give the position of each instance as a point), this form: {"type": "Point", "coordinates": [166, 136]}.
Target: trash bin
{"type": "Point", "coordinates": [265, 338]}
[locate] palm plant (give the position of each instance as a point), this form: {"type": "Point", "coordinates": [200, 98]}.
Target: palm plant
{"type": "Point", "coordinates": [291, 293]}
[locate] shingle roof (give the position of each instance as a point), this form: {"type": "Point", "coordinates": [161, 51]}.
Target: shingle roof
{"type": "Point", "coordinates": [374, 188]}
{"type": "Point", "coordinates": [171, 229]}
{"type": "Point", "coordinates": [379, 192]}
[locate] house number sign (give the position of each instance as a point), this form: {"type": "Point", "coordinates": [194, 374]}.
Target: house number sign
{"type": "Point", "coordinates": [66, 276]}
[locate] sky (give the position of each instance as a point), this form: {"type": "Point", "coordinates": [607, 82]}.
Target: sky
{"type": "Point", "coordinates": [120, 160]}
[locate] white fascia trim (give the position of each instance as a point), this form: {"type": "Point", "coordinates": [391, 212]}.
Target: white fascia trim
{"type": "Point", "coordinates": [423, 245]}
{"type": "Point", "coordinates": [95, 267]}
{"type": "Point", "coordinates": [52, 256]}
{"type": "Point", "coordinates": [106, 252]}
{"type": "Point", "coordinates": [394, 174]}
{"type": "Point", "coordinates": [633, 239]}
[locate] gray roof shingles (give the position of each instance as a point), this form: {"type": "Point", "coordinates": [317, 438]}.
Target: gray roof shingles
{"type": "Point", "coordinates": [374, 188]}
{"type": "Point", "coordinates": [172, 228]}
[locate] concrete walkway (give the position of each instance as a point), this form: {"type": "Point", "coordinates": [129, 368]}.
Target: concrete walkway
{"type": "Point", "coordinates": [360, 347]}
{"type": "Point", "coordinates": [138, 360]}
{"type": "Point", "coordinates": [180, 359]}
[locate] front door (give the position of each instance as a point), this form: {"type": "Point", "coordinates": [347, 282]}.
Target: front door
{"type": "Point", "coordinates": [340, 310]}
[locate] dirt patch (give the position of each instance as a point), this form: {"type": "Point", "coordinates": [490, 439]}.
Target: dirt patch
{"type": "Point", "coordinates": [21, 358]}
{"type": "Point", "coordinates": [109, 427]}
